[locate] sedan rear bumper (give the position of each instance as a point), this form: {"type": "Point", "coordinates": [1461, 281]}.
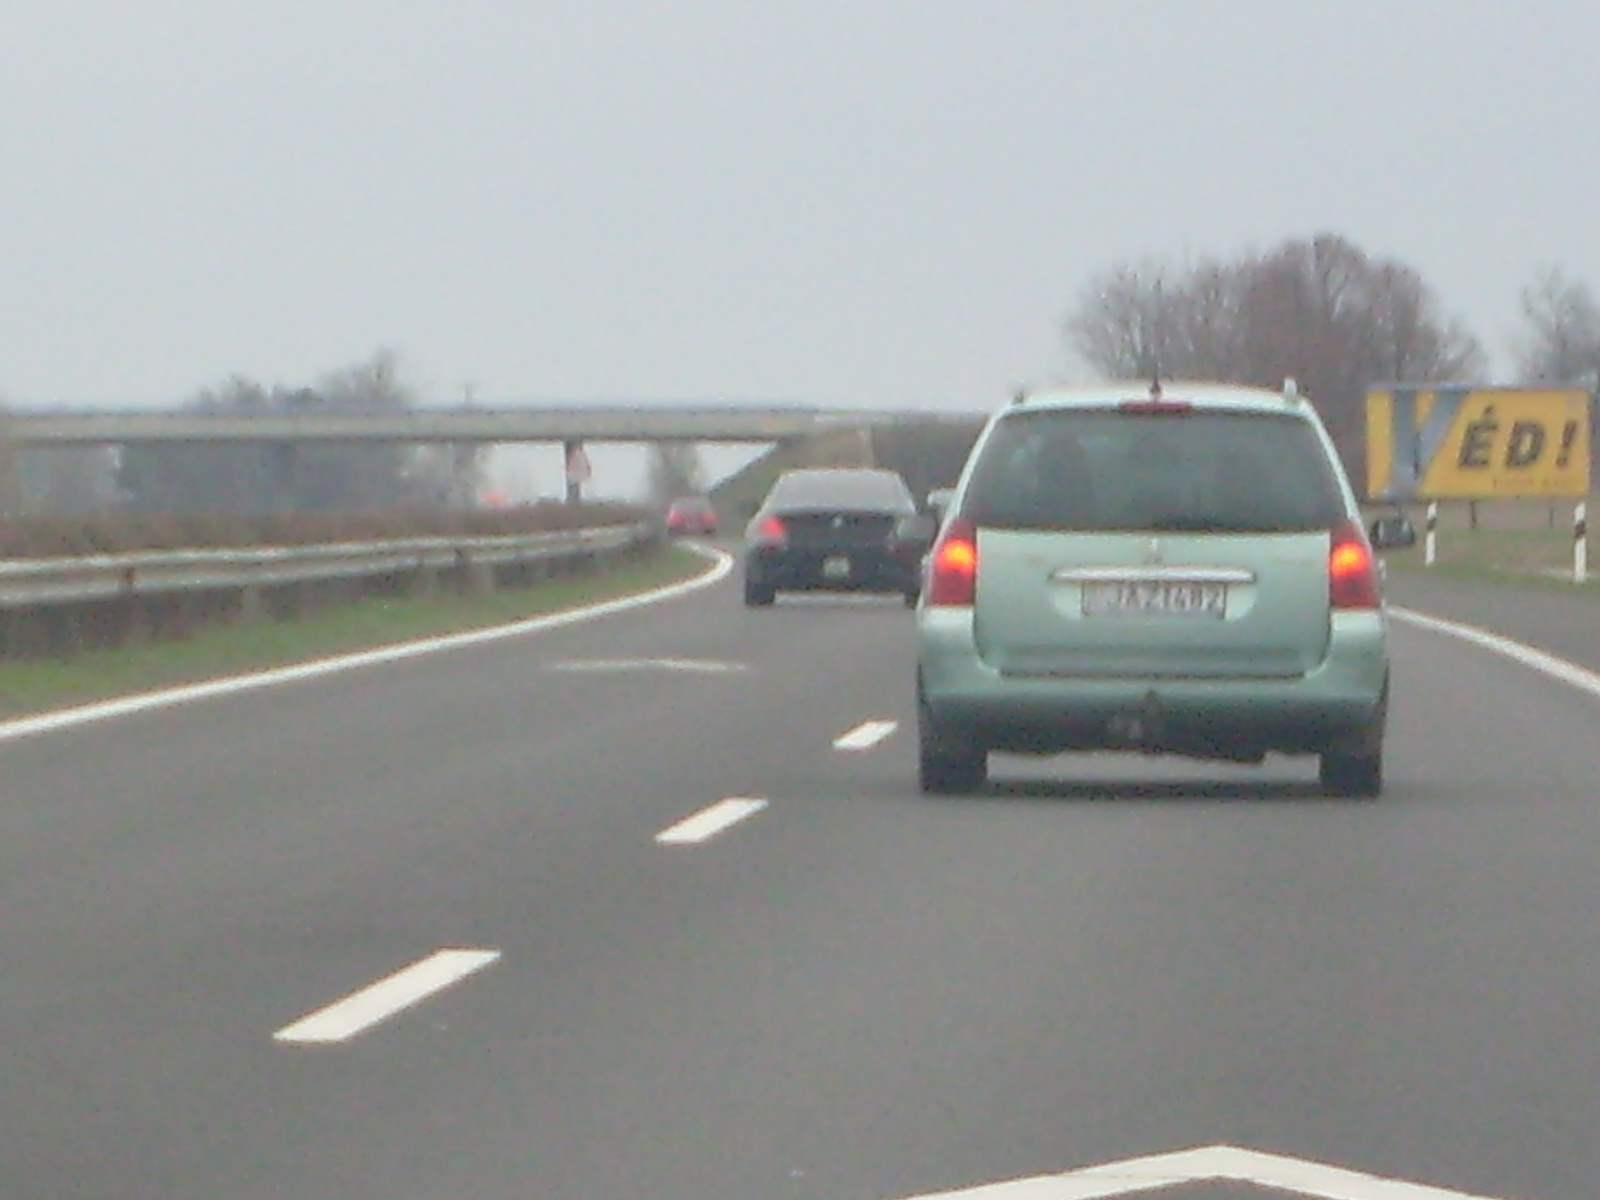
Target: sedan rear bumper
{"type": "Point", "coordinates": [843, 568]}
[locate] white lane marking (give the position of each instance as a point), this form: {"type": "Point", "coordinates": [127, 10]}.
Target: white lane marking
{"type": "Point", "coordinates": [605, 665]}
{"type": "Point", "coordinates": [1547, 664]}
{"type": "Point", "coordinates": [709, 822]}
{"type": "Point", "coordinates": [105, 710]}
{"type": "Point", "coordinates": [343, 1019]}
{"type": "Point", "coordinates": [865, 735]}
{"type": "Point", "coordinates": [1208, 1164]}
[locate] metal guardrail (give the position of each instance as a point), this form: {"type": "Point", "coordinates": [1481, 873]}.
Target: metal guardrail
{"type": "Point", "coordinates": [34, 583]}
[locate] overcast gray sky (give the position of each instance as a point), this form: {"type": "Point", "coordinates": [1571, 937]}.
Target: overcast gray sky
{"type": "Point", "coordinates": [866, 203]}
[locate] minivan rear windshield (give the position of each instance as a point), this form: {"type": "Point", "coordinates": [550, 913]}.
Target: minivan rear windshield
{"type": "Point", "coordinates": [1211, 472]}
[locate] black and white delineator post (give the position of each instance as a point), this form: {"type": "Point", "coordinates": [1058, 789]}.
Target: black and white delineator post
{"type": "Point", "coordinates": [1580, 542]}
{"type": "Point", "coordinates": [1430, 540]}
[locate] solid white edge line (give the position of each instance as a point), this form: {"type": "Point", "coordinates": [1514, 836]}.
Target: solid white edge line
{"type": "Point", "coordinates": [709, 822]}
{"type": "Point", "coordinates": [1550, 665]}
{"type": "Point", "coordinates": [1206, 1164]}
{"type": "Point", "coordinates": [68, 718]}
{"type": "Point", "coordinates": [361, 1010]}
{"type": "Point", "coordinates": [865, 735]}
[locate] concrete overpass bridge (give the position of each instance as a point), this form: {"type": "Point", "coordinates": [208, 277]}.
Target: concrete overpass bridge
{"type": "Point", "coordinates": [572, 425]}
{"type": "Point", "coordinates": [912, 441]}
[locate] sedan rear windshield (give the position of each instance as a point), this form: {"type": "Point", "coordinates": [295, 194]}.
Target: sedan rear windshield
{"type": "Point", "coordinates": [1213, 472]}
{"type": "Point", "coordinates": [843, 490]}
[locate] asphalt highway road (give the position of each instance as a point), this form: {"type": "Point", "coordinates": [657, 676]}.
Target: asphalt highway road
{"type": "Point", "coordinates": [839, 990]}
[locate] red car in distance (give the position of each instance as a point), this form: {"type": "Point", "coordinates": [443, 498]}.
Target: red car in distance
{"type": "Point", "coordinates": [692, 515]}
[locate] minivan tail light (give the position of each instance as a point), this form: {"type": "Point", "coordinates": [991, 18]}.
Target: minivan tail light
{"type": "Point", "coordinates": [1352, 570]}
{"type": "Point", "coordinates": [953, 572]}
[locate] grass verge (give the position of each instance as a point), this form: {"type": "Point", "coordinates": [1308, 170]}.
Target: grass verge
{"type": "Point", "coordinates": [1523, 558]}
{"type": "Point", "coordinates": [33, 687]}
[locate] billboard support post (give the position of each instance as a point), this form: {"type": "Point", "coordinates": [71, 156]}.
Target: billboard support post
{"type": "Point", "coordinates": [1580, 542]}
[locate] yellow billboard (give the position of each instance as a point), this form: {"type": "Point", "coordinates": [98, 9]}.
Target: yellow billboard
{"type": "Point", "coordinates": [1446, 442]}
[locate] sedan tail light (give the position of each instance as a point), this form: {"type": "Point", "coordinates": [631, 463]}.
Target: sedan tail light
{"type": "Point", "coordinates": [953, 568]}
{"type": "Point", "coordinates": [1352, 570]}
{"type": "Point", "coordinates": [770, 531]}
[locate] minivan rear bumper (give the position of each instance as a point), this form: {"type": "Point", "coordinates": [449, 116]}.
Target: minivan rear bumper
{"type": "Point", "coordinates": [1336, 705]}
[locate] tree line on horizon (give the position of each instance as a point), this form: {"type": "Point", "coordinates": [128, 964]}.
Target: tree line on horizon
{"type": "Point", "coordinates": [1319, 309]}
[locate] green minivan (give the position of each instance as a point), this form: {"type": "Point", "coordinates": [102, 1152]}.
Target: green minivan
{"type": "Point", "coordinates": [1164, 568]}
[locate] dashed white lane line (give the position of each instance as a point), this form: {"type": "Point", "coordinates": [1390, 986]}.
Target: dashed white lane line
{"type": "Point", "coordinates": [359, 1011]}
{"type": "Point", "coordinates": [865, 735]}
{"type": "Point", "coordinates": [709, 822]}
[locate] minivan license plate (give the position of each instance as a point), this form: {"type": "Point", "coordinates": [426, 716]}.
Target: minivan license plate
{"type": "Point", "coordinates": [1163, 598]}
{"type": "Point", "coordinates": [836, 568]}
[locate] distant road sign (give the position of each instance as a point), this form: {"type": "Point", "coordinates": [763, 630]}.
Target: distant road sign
{"type": "Point", "coordinates": [1476, 443]}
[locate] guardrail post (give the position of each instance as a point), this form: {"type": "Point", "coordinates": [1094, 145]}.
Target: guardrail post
{"type": "Point", "coordinates": [1580, 542]}
{"type": "Point", "coordinates": [477, 578]}
{"type": "Point", "coordinates": [1430, 541]}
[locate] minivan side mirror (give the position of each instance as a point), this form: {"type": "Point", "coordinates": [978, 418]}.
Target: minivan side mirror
{"type": "Point", "coordinates": [939, 500]}
{"type": "Point", "coordinates": [1392, 533]}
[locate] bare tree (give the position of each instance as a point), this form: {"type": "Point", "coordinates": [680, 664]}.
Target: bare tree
{"type": "Point", "coordinates": [1121, 322]}
{"type": "Point", "coordinates": [1562, 341]}
{"type": "Point", "coordinates": [1318, 309]}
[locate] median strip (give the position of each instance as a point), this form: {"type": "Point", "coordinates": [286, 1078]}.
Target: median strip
{"type": "Point", "coordinates": [360, 1011]}
{"type": "Point", "coordinates": [709, 822]}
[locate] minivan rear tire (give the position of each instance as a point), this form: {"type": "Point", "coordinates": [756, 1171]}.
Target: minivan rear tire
{"type": "Point", "coordinates": [945, 767]}
{"type": "Point", "coordinates": [943, 772]}
{"type": "Point", "coordinates": [1352, 774]}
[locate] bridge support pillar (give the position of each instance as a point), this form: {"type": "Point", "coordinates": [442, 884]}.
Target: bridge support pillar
{"type": "Point", "coordinates": [577, 467]}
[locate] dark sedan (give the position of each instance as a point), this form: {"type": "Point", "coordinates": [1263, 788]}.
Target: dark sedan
{"type": "Point", "coordinates": [839, 529]}
{"type": "Point", "coordinates": [691, 514]}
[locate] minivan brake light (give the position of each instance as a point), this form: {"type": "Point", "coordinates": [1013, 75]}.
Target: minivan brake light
{"type": "Point", "coordinates": [1352, 570]}
{"type": "Point", "coordinates": [953, 571]}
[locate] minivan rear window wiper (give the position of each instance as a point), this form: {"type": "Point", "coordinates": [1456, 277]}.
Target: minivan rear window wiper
{"type": "Point", "coordinates": [1186, 523]}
